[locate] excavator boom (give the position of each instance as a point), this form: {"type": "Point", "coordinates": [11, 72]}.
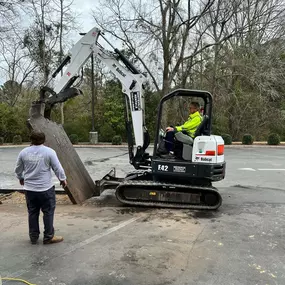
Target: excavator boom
{"type": "Point", "coordinates": [131, 79]}
{"type": "Point", "coordinates": [80, 183]}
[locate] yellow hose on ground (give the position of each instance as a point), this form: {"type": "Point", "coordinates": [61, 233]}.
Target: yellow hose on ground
{"type": "Point", "coordinates": [16, 279]}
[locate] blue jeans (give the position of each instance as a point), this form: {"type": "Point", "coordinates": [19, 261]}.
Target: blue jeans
{"type": "Point", "coordinates": [44, 201]}
{"type": "Point", "coordinates": [169, 140]}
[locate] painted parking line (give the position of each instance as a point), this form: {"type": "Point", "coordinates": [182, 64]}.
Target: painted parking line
{"type": "Point", "coordinates": [98, 236]}
{"type": "Point", "coordinates": [271, 169]}
{"type": "Point", "coordinates": [261, 169]}
{"type": "Point", "coordinates": [76, 246]}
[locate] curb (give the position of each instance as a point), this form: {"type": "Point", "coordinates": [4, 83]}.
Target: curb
{"type": "Point", "coordinates": [124, 145]}
{"type": "Point", "coordinates": [254, 146]}
{"type": "Point", "coordinates": [75, 146]}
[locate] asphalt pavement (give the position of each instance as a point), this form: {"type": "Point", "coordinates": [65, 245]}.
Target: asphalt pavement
{"type": "Point", "coordinates": [106, 243]}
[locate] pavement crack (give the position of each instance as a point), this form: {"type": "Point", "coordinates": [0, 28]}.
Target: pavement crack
{"type": "Point", "coordinates": [104, 159]}
{"type": "Point", "coordinates": [190, 251]}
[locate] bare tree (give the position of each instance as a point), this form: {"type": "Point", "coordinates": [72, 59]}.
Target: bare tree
{"type": "Point", "coordinates": [41, 38]}
{"type": "Point", "coordinates": [247, 69]}
{"type": "Point", "coordinates": [16, 67]}
{"type": "Point", "coordinates": [166, 36]}
{"type": "Point", "coordinates": [158, 34]}
{"type": "Point", "coordinates": [66, 24]}
{"type": "Point", "coordinates": [9, 14]}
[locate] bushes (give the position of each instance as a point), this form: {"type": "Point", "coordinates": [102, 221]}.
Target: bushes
{"type": "Point", "coordinates": [80, 126]}
{"type": "Point", "coordinates": [74, 138]}
{"type": "Point", "coordinates": [247, 139]}
{"type": "Point", "coordinates": [117, 140]}
{"type": "Point", "coordinates": [17, 139]}
{"type": "Point", "coordinates": [273, 139]}
{"type": "Point", "coordinates": [1, 140]}
{"type": "Point", "coordinates": [106, 133]}
{"type": "Point", "coordinates": [227, 138]}
{"type": "Point", "coordinates": [13, 122]}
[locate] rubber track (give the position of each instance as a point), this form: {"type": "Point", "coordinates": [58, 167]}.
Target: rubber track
{"type": "Point", "coordinates": [152, 186]}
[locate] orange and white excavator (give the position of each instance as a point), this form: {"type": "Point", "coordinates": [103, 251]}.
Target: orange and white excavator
{"type": "Point", "coordinates": [184, 182]}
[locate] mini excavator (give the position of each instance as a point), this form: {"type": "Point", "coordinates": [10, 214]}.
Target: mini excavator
{"type": "Point", "coordinates": [184, 182]}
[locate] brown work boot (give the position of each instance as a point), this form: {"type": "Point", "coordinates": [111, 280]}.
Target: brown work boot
{"type": "Point", "coordinates": [55, 239]}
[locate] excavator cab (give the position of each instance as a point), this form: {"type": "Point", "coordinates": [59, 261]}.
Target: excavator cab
{"type": "Point", "coordinates": [183, 143]}
{"type": "Point", "coordinates": [198, 160]}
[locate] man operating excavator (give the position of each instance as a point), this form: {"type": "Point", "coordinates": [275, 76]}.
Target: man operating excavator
{"type": "Point", "coordinates": [189, 128]}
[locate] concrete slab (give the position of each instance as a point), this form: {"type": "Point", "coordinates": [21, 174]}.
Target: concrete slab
{"type": "Point", "coordinates": [80, 185]}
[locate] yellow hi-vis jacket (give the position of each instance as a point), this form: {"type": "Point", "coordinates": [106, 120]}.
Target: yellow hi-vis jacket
{"type": "Point", "coordinates": [191, 125]}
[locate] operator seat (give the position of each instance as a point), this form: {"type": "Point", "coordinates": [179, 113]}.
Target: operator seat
{"type": "Point", "coordinates": [187, 141]}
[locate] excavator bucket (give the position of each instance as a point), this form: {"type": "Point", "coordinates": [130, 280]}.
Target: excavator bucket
{"type": "Point", "coordinates": [80, 184]}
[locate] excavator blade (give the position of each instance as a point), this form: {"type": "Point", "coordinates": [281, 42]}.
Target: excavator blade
{"type": "Point", "coordinates": [80, 184]}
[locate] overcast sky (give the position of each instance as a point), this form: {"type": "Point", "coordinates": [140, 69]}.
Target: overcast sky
{"type": "Point", "coordinates": [84, 8]}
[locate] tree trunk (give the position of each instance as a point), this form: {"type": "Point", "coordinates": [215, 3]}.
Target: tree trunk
{"type": "Point", "coordinates": [61, 54]}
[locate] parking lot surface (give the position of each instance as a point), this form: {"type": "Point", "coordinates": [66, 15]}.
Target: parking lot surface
{"type": "Point", "coordinates": [107, 243]}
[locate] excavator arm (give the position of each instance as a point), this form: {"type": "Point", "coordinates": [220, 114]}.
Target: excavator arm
{"type": "Point", "coordinates": [131, 79]}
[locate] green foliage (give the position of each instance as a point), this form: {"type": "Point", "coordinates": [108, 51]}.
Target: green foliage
{"type": "Point", "coordinates": [151, 101]}
{"type": "Point", "coordinates": [17, 139]}
{"type": "Point", "coordinates": [79, 125]}
{"type": "Point", "coordinates": [278, 117]}
{"type": "Point", "coordinates": [227, 139]}
{"type": "Point", "coordinates": [117, 140]}
{"type": "Point", "coordinates": [247, 139]}
{"type": "Point", "coordinates": [113, 109]}
{"type": "Point", "coordinates": [109, 112]}
{"type": "Point", "coordinates": [106, 133]}
{"type": "Point", "coordinates": [273, 139]}
{"type": "Point", "coordinates": [74, 138]}
{"type": "Point", "coordinates": [1, 140]}
{"type": "Point", "coordinates": [9, 92]}
{"type": "Point", "coordinates": [13, 122]}
{"type": "Point", "coordinates": [219, 122]}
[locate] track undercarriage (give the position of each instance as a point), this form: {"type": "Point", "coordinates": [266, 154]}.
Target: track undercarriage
{"type": "Point", "coordinates": [140, 188]}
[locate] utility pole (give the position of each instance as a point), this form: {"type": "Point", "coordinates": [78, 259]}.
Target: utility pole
{"type": "Point", "coordinates": [92, 93]}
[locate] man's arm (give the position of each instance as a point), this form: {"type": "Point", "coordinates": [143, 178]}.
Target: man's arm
{"type": "Point", "coordinates": [57, 168]}
{"type": "Point", "coordinates": [188, 125]}
{"type": "Point", "coordinates": [19, 169]}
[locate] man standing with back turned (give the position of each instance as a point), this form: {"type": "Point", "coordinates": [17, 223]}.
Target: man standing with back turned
{"type": "Point", "coordinates": [33, 169]}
